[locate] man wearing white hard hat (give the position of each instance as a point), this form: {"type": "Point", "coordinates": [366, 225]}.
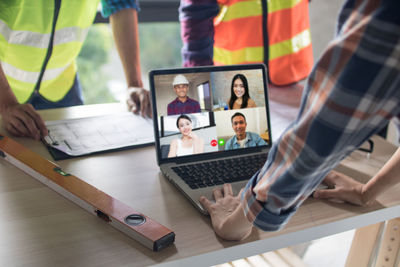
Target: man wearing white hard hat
{"type": "Point", "coordinates": [182, 104]}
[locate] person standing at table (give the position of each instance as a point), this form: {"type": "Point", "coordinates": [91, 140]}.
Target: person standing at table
{"type": "Point", "coordinates": [39, 43]}
{"type": "Point", "coordinates": [351, 94]}
{"type": "Point", "coordinates": [226, 32]}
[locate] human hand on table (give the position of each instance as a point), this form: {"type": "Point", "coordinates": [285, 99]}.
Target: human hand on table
{"type": "Point", "coordinates": [139, 101]}
{"type": "Point", "coordinates": [227, 215]}
{"type": "Point", "coordinates": [23, 120]}
{"type": "Point", "coordinates": [342, 188]}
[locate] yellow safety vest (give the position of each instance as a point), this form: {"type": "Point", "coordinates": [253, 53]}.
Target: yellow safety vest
{"type": "Point", "coordinates": [26, 30]}
{"type": "Point", "coordinates": [276, 32]}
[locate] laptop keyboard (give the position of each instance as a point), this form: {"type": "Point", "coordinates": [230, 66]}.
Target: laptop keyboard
{"type": "Point", "coordinates": [220, 171]}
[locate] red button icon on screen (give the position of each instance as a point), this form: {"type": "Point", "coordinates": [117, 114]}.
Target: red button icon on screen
{"type": "Point", "coordinates": [214, 142]}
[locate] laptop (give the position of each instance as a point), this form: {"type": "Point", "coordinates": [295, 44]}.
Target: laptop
{"type": "Point", "coordinates": [204, 135]}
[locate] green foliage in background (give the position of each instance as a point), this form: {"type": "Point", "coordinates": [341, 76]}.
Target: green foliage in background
{"type": "Point", "coordinates": [95, 54]}
{"type": "Point", "coordinates": [160, 46]}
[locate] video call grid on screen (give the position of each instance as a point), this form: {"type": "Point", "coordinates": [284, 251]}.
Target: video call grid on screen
{"type": "Point", "coordinates": [210, 89]}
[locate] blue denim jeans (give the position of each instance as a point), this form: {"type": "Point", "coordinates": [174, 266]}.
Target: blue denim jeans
{"type": "Point", "coordinates": [72, 98]}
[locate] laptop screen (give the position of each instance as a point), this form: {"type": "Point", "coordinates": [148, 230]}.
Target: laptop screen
{"type": "Point", "coordinates": [209, 111]}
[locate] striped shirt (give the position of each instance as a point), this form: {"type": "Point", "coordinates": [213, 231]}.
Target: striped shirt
{"type": "Point", "coordinates": [109, 7]}
{"type": "Point", "coordinates": [352, 93]}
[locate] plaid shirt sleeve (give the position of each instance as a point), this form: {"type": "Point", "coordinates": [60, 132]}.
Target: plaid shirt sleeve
{"type": "Point", "coordinates": [352, 92]}
{"type": "Point", "coordinates": [109, 7]}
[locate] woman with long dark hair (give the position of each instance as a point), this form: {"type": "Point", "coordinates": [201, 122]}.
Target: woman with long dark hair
{"type": "Point", "coordinates": [240, 97]}
{"type": "Point", "coordinates": [189, 143]}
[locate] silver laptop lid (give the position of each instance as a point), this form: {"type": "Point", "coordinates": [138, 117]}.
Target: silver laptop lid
{"type": "Point", "coordinates": [199, 112]}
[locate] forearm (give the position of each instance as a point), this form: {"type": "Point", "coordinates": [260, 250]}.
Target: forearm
{"type": "Point", "coordinates": [7, 97]}
{"type": "Point", "coordinates": [124, 24]}
{"type": "Point", "coordinates": [388, 176]}
{"type": "Point", "coordinates": [19, 119]}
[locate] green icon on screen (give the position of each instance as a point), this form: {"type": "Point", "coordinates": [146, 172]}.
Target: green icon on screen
{"type": "Point", "coordinates": [221, 142]}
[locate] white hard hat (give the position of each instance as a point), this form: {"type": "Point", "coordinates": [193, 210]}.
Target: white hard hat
{"type": "Point", "coordinates": [180, 79]}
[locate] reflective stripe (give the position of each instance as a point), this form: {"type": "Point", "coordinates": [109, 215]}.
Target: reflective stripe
{"type": "Point", "coordinates": [70, 34]}
{"type": "Point", "coordinates": [41, 40]}
{"type": "Point", "coordinates": [253, 54]}
{"type": "Point", "coordinates": [239, 10]}
{"type": "Point", "coordinates": [53, 90]}
{"type": "Point", "coordinates": [50, 74]}
{"type": "Point", "coordinates": [248, 54]}
{"type": "Point", "coordinates": [275, 5]}
{"type": "Point", "coordinates": [244, 9]}
{"type": "Point", "coordinates": [18, 74]}
{"type": "Point", "coordinates": [250, 34]}
{"type": "Point", "coordinates": [24, 39]}
{"type": "Point", "coordinates": [63, 83]}
{"type": "Point", "coordinates": [29, 76]}
{"type": "Point", "coordinates": [290, 46]}
{"type": "Point", "coordinates": [300, 65]}
{"type": "Point", "coordinates": [236, 38]}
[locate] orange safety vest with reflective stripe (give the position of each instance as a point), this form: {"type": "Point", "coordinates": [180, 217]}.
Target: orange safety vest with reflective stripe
{"type": "Point", "coordinates": [275, 32]}
{"type": "Point", "coordinates": [26, 30]}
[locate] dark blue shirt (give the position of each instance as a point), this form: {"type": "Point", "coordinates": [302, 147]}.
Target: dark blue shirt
{"type": "Point", "coordinates": [178, 107]}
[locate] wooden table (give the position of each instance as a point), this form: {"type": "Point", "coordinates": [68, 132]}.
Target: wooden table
{"type": "Point", "coordinates": [38, 227]}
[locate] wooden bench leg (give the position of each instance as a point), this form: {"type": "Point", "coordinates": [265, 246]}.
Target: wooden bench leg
{"type": "Point", "coordinates": [388, 252]}
{"type": "Point", "coordinates": [363, 245]}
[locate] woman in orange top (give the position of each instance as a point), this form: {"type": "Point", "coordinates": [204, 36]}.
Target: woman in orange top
{"type": "Point", "coordinates": [240, 97]}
